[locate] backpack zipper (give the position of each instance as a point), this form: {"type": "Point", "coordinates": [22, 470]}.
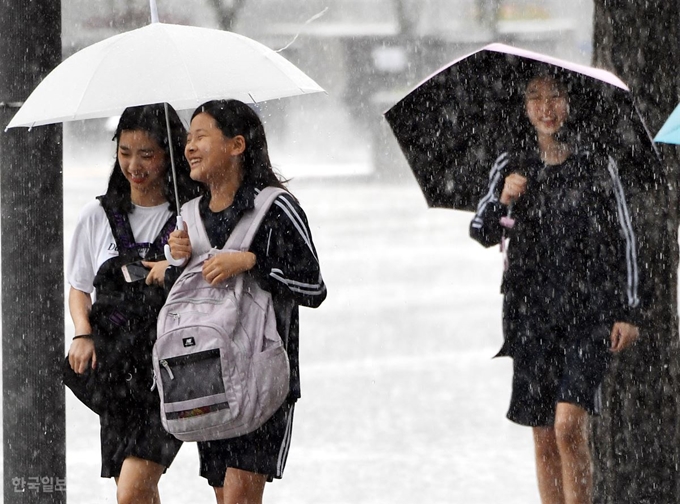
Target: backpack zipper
{"type": "Point", "coordinates": [195, 300]}
{"type": "Point", "coordinates": [165, 364]}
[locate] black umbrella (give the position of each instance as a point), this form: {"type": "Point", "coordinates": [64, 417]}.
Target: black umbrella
{"type": "Point", "coordinates": [454, 124]}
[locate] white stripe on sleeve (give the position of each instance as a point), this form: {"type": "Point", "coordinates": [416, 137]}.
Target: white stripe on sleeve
{"type": "Point", "coordinates": [297, 222]}
{"type": "Point", "coordinates": [494, 177]}
{"type": "Point", "coordinates": [627, 228]}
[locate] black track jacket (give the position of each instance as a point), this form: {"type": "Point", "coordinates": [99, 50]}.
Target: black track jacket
{"type": "Point", "coordinates": [287, 264]}
{"type": "Point", "coordinates": [572, 253]}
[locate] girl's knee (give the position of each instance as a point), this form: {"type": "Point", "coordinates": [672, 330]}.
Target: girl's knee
{"type": "Point", "coordinates": [138, 482]}
{"type": "Point", "coordinates": [243, 487]}
{"type": "Point", "coordinates": [137, 495]}
{"type": "Point", "coordinates": [571, 427]}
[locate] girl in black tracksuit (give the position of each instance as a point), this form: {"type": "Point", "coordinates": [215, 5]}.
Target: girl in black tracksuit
{"type": "Point", "coordinates": [227, 151]}
{"type": "Point", "coordinates": [571, 258]}
{"type": "Point", "coordinates": [571, 284]}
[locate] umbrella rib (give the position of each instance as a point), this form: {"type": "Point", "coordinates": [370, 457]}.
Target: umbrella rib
{"type": "Point", "coordinates": [183, 64]}
{"type": "Point", "coordinates": [269, 54]}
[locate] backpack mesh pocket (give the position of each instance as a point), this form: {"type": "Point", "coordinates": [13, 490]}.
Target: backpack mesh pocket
{"type": "Point", "coordinates": [192, 376]}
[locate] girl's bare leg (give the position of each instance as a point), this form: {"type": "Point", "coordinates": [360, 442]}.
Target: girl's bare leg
{"type": "Point", "coordinates": [571, 433]}
{"type": "Point", "coordinates": [241, 487]}
{"type": "Point", "coordinates": [548, 466]}
{"type": "Point", "coordinates": [138, 482]}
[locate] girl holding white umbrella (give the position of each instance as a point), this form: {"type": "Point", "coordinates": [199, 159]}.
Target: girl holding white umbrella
{"type": "Point", "coordinates": [227, 151]}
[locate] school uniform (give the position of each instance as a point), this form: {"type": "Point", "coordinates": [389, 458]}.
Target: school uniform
{"type": "Point", "coordinates": [287, 266]}
{"type": "Point", "coordinates": [571, 273]}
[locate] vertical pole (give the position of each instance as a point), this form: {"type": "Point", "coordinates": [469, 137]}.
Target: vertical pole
{"type": "Point", "coordinates": [31, 249]}
{"type": "Point", "coordinates": [154, 18]}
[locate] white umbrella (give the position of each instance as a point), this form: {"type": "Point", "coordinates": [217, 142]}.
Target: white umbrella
{"type": "Point", "coordinates": [184, 66]}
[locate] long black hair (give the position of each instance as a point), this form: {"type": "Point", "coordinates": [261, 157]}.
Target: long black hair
{"type": "Point", "coordinates": [151, 120]}
{"type": "Point", "coordinates": [234, 117]}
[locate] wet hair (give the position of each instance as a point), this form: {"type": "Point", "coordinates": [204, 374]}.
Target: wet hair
{"type": "Point", "coordinates": [151, 120]}
{"type": "Point", "coordinates": [234, 118]}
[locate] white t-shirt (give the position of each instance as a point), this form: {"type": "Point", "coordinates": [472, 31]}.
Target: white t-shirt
{"type": "Point", "coordinates": [93, 244]}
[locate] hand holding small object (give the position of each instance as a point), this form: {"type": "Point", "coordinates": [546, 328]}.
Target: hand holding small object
{"type": "Point", "coordinates": [514, 187]}
{"type": "Point", "coordinates": [156, 274]}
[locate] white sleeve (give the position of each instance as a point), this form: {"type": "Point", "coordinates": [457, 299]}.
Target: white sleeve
{"type": "Point", "coordinates": [88, 241]}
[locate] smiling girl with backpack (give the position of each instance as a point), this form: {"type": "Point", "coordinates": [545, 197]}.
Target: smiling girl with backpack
{"type": "Point", "coordinates": [227, 152]}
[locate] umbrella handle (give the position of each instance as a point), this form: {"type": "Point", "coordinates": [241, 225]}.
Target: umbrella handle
{"type": "Point", "coordinates": [168, 255]}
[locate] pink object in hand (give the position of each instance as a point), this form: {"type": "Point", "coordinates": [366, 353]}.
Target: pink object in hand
{"type": "Point", "coordinates": [507, 222]}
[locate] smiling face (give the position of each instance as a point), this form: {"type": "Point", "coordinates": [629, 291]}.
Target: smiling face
{"type": "Point", "coordinates": [213, 157]}
{"type": "Point", "coordinates": [547, 105]}
{"type": "Point", "coordinates": [143, 164]}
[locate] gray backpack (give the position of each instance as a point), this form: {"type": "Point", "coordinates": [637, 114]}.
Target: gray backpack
{"type": "Point", "coordinates": [219, 363]}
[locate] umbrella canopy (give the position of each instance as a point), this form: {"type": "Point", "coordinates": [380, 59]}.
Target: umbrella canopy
{"type": "Point", "coordinates": [454, 124]}
{"type": "Point", "coordinates": [184, 66]}
{"type": "Point", "coordinates": [670, 131]}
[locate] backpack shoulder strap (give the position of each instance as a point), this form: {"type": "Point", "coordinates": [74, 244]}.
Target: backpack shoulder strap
{"type": "Point", "coordinates": [122, 231]}
{"type": "Point", "coordinates": [200, 243]}
{"type": "Point", "coordinates": [120, 226]}
{"type": "Point", "coordinates": [164, 234]}
{"type": "Point", "coordinates": [244, 231]}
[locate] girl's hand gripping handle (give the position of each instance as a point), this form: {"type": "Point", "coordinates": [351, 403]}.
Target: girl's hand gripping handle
{"type": "Point", "coordinates": [168, 254]}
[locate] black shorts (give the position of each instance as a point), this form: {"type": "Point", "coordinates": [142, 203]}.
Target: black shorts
{"type": "Point", "coordinates": [558, 364]}
{"type": "Point", "coordinates": [135, 430]}
{"type": "Point", "coordinates": [263, 451]}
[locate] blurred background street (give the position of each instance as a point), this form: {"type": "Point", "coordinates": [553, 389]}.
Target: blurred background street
{"type": "Point", "coordinates": [367, 54]}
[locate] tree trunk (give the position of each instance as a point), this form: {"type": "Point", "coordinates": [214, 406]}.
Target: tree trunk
{"type": "Point", "coordinates": [32, 258]}
{"type": "Point", "coordinates": [405, 17]}
{"type": "Point", "coordinates": [636, 441]}
{"type": "Point", "coordinates": [227, 14]}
